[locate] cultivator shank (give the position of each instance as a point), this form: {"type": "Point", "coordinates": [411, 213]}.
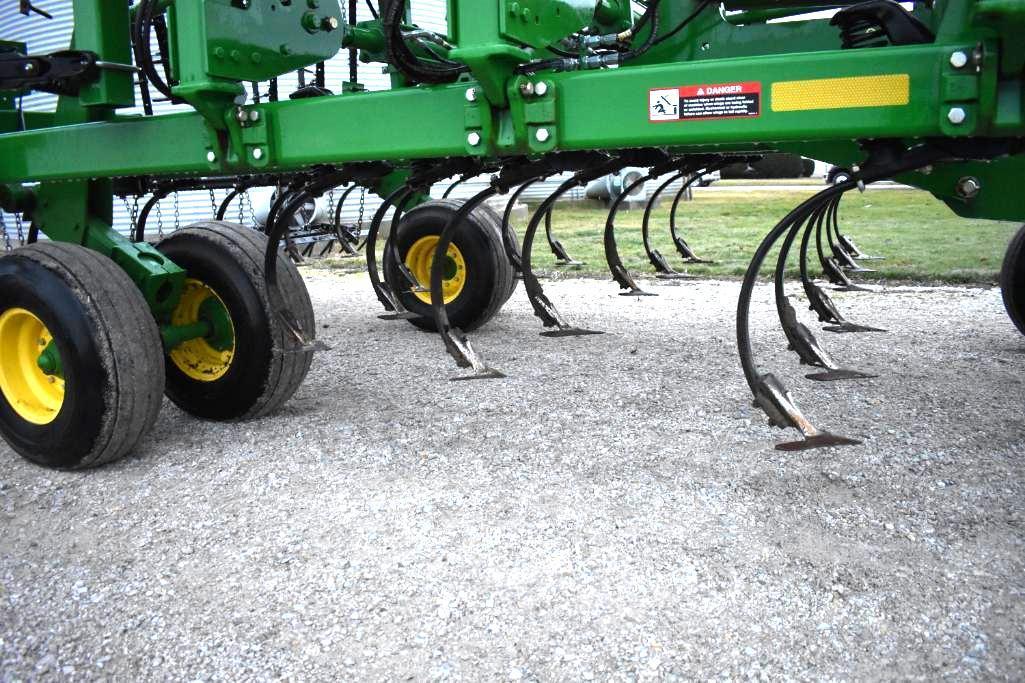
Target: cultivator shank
{"type": "Point", "coordinates": [522, 92]}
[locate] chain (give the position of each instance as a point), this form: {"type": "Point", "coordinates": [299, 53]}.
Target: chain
{"type": "Point", "coordinates": [21, 233]}
{"type": "Point", "coordinates": [252, 211]}
{"type": "Point", "coordinates": [213, 202]}
{"type": "Point", "coordinates": [160, 220]}
{"type": "Point", "coordinates": [331, 202]}
{"type": "Point", "coordinates": [362, 206]}
{"type": "Point", "coordinates": [3, 233]}
{"type": "Point", "coordinates": [132, 210]}
{"type": "Point", "coordinates": [241, 207]}
{"type": "Point", "coordinates": [177, 217]}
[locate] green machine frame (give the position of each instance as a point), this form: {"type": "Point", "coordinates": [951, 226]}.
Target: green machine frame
{"type": "Point", "coordinates": [811, 97]}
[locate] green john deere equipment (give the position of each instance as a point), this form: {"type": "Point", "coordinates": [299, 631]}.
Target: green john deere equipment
{"type": "Point", "coordinates": [95, 326]}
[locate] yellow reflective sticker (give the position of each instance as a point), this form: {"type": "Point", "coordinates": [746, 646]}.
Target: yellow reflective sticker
{"type": "Point", "coordinates": [889, 90]}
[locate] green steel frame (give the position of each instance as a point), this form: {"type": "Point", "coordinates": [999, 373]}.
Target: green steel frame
{"type": "Point", "coordinates": [968, 86]}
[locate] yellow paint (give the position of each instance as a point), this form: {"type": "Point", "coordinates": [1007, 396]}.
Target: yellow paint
{"type": "Point", "coordinates": [195, 357]}
{"type": "Point", "coordinates": [419, 259]}
{"type": "Point", "coordinates": [34, 395]}
{"type": "Point", "coordinates": [890, 90]}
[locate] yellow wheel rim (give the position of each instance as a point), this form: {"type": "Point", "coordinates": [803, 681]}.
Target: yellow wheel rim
{"type": "Point", "coordinates": [419, 260]}
{"type": "Point", "coordinates": [34, 395]}
{"type": "Point", "coordinates": [196, 358]}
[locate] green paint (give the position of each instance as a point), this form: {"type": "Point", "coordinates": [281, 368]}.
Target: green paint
{"type": "Point", "coordinates": [49, 361]}
{"type": "Point", "coordinates": [218, 44]}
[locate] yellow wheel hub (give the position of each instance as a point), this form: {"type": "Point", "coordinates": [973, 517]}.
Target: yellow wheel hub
{"type": "Point", "coordinates": [34, 395]}
{"type": "Point", "coordinates": [419, 260]}
{"type": "Point", "coordinates": [197, 358]}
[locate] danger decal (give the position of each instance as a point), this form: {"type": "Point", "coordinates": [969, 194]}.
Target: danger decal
{"type": "Point", "coordinates": [712, 101]}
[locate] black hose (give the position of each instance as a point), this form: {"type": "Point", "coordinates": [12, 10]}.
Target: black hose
{"type": "Point", "coordinates": [400, 56]}
{"type": "Point", "coordinates": [683, 24]}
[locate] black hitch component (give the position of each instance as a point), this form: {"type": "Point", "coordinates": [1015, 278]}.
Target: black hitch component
{"type": "Point", "coordinates": [60, 73]}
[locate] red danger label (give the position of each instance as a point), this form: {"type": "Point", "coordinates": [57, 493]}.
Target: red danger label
{"type": "Point", "coordinates": [708, 101]}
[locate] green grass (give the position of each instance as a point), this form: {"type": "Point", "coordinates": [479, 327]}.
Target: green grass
{"type": "Point", "coordinates": [922, 239]}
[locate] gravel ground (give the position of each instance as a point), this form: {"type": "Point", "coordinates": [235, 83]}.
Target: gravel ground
{"type": "Point", "coordinates": [613, 509]}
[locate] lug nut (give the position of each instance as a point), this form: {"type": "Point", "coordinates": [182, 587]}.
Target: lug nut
{"type": "Point", "coordinates": [957, 116]}
{"type": "Point", "coordinates": [542, 135]}
{"type": "Point", "coordinates": [473, 139]}
{"type": "Point", "coordinates": [958, 60]}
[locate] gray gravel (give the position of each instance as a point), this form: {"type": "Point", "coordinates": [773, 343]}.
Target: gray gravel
{"type": "Point", "coordinates": [613, 509]}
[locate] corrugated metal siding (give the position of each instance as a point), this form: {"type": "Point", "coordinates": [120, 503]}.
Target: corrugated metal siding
{"type": "Point", "coordinates": [44, 36]}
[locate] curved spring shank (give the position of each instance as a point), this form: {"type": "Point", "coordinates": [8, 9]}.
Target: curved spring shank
{"type": "Point", "coordinates": [619, 272]}
{"type": "Point", "coordinates": [543, 307]}
{"type": "Point", "coordinates": [800, 338]}
{"type": "Point", "coordinates": [222, 210]}
{"type": "Point", "coordinates": [512, 247]}
{"type": "Point", "coordinates": [453, 186]}
{"type": "Point", "coordinates": [819, 301]}
{"type": "Point", "coordinates": [681, 244]}
{"type": "Point", "coordinates": [770, 394]}
{"type": "Point", "coordinates": [558, 250]}
{"type": "Point", "coordinates": [337, 225]}
{"type": "Point", "coordinates": [400, 198]}
{"type": "Point", "coordinates": [275, 231]}
{"type": "Point", "coordinates": [840, 252]}
{"type": "Point", "coordinates": [456, 343]}
{"type": "Point", "coordinates": [654, 257]}
{"type": "Point", "coordinates": [830, 268]}
{"type": "Point", "coordinates": [140, 221]}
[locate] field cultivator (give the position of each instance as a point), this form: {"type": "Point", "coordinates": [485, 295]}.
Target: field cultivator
{"type": "Point", "coordinates": [96, 327]}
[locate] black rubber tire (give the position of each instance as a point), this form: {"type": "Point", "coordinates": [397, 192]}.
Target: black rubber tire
{"type": "Point", "coordinates": [266, 369]}
{"type": "Point", "coordinates": [110, 350]}
{"type": "Point", "coordinates": [490, 278]}
{"type": "Point", "coordinates": [1012, 280]}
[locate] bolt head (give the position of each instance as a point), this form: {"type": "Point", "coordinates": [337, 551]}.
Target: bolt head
{"type": "Point", "coordinates": [541, 88]}
{"type": "Point", "coordinates": [968, 187]}
{"type": "Point", "coordinates": [957, 116]}
{"type": "Point", "coordinates": [471, 94]}
{"type": "Point", "coordinates": [527, 89]}
{"type": "Point", "coordinates": [254, 116]}
{"type": "Point", "coordinates": [211, 157]}
{"type": "Point", "coordinates": [329, 23]}
{"type": "Point", "coordinates": [542, 135]}
{"type": "Point", "coordinates": [958, 60]}
{"type": "Point", "coordinates": [258, 153]}
{"type": "Point", "coordinates": [473, 139]}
